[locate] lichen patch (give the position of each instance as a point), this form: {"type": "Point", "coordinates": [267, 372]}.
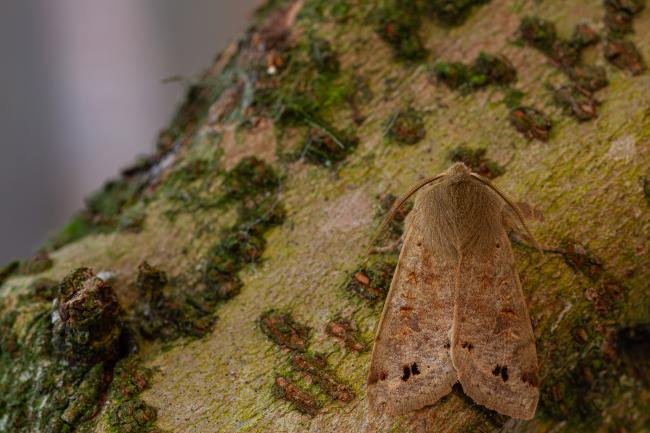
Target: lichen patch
{"type": "Point", "coordinates": [347, 212]}
{"type": "Point", "coordinates": [622, 149]}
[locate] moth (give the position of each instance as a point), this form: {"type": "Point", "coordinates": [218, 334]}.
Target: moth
{"type": "Point", "coordinates": [455, 311]}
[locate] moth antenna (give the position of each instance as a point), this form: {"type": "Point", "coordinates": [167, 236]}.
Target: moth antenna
{"type": "Point", "coordinates": [512, 206]}
{"type": "Point", "coordinates": [398, 204]}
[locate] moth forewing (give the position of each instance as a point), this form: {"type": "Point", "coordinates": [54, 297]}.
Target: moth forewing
{"type": "Point", "coordinates": [455, 310]}
{"type": "Point", "coordinates": [400, 202]}
{"type": "Point", "coordinates": [411, 365]}
{"type": "Point", "coordinates": [511, 208]}
{"type": "Point", "coordinates": [493, 347]}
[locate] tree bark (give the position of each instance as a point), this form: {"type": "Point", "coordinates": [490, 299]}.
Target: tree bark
{"type": "Point", "coordinates": [263, 196]}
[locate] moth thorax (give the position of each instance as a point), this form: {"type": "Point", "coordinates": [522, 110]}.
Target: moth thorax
{"type": "Point", "coordinates": [458, 169]}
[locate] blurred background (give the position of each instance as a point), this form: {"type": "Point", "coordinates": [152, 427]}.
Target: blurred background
{"type": "Point", "coordinates": [82, 95]}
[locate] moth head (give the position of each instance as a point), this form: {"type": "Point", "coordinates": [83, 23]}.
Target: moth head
{"type": "Point", "coordinates": [458, 171]}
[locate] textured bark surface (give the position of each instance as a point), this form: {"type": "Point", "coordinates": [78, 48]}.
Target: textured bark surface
{"type": "Point", "coordinates": [588, 295]}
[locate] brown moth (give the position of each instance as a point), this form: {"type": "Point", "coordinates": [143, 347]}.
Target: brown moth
{"type": "Point", "coordinates": [455, 311]}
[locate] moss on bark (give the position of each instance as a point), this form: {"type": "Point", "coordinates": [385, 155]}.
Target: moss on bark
{"type": "Point", "coordinates": [587, 294]}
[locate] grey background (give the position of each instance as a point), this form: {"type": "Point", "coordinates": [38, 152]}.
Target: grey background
{"type": "Point", "coordinates": [81, 95]}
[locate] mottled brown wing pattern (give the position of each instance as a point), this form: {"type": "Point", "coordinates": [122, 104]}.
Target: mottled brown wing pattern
{"type": "Point", "coordinates": [411, 365]}
{"type": "Point", "coordinates": [493, 347]}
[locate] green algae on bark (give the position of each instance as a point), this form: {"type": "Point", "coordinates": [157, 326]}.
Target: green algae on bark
{"type": "Point", "coordinates": [8, 270]}
{"type": "Point", "coordinates": [372, 281]}
{"type": "Point", "coordinates": [301, 400]}
{"type": "Point", "coordinates": [476, 160]}
{"type": "Point", "coordinates": [624, 55]}
{"type": "Point", "coordinates": [58, 359]}
{"type": "Point", "coordinates": [576, 98]}
{"type": "Point", "coordinates": [308, 104]}
{"type": "Point", "coordinates": [584, 36]}
{"type": "Point", "coordinates": [254, 186]}
{"type": "Point", "coordinates": [282, 329]}
{"type": "Point", "coordinates": [455, 75]}
{"type": "Point", "coordinates": [87, 395]}
{"type": "Point", "coordinates": [487, 69]}
{"type": "Point", "coordinates": [42, 289]}
{"type": "Point", "coordinates": [588, 77]}
{"type": "Point", "coordinates": [539, 33]}
{"type": "Point", "coordinates": [323, 56]}
{"type": "Point", "coordinates": [150, 282]}
{"type": "Point", "coordinates": [576, 101]}
{"type": "Point", "coordinates": [86, 319]}
{"type": "Point", "coordinates": [398, 23]}
{"type": "Point", "coordinates": [538, 170]}
{"type": "Point", "coordinates": [395, 227]}
{"type": "Point", "coordinates": [584, 371]}
{"type": "Point", "coordinates": [531, 122]}
{"type": "Point", "coordinates": [127, 413]}
{"type": "Point", "coordinates": [307, 90]}
{"type": "Point", "coordinates": [619, 15]}
{"type": "Point", "coordinates": [632, 344]}
{"type": "Point", "coordinates": [41, 262]}
{"type": "Point", "coordinates": [326, 147]}
{"type": "Point", "coordinates": [55, 356]}
{"type": "Point", "coordinates": [345, 331]}
{"type": "Point", "coordinates": [576, 389]}
{"type": "Point", "coordinates": [103, 210]}
{"type": "Point", "coordinates": [453, 12]}
{"type": "Point", "coordinates": [168, 314]}
{"type": "Point", "coordinates": [250, 177]}
{"type": "Point", "coordinates": [406, 127]}
{"type": "Point", "coordinates": [493, 69]}
{"type": "Point", "coordinates": [566, 54]}
{"type": "Point", "coordinates": [608, 290]}
{"type": "Point", "coordinates": [316, 367]}
{"type": "Point", "coordinates": [190, 187]}
{"type": "Point", "coordinates": [645, 186]}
